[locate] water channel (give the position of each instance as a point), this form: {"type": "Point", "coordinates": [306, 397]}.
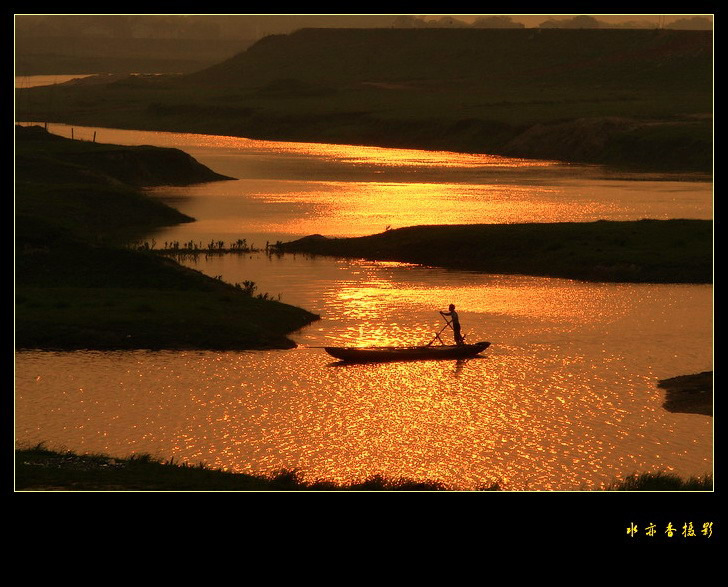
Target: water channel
{"type": "Point", "coordinates": [566, 398]}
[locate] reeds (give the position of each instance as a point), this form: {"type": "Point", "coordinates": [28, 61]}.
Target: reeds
{"type": "Point", "coordinates": [214, 247]}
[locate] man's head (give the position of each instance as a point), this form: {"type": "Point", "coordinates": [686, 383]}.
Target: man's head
{"type": "Point", "coordinates": [452, 307]}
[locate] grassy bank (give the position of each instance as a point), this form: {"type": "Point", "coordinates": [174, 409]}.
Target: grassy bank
{"type": "Point", "coordinates": [78, 286]}
{"type": "Point", "coordinates": [39, 469]}
{"type": "Point", "coordinates": [634, 98]}
{"type": "Point", "coordinates": [214, 317]}
{"type": "Point", "coordinates": [645, 251]}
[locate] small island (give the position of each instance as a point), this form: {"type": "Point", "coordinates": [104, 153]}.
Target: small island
{"type": "Point", "coordinates": [689, 394]}
{"type": "Point", "coordinates": [78, 283]}
{"type": "Point", "coordinates": [641, 251]}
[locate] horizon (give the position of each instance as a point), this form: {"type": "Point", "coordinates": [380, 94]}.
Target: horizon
{"type": "Point", "coordinates": [257, 26]}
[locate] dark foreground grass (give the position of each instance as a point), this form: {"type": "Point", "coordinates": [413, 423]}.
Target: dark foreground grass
{"type": "Point", "coordinates": [644, 251]}
{"type": "Point", "coordinates": [40, 469]}
{"type": "Point", "coordinates": [662, 482]}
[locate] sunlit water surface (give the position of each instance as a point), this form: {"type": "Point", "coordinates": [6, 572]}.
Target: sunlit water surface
{"type": "Point", "coordinates": [564, 399]}
{"type": "Point", "coordinates": [284, 190]}
{"type": "Point", "coordinates": [34, 81]}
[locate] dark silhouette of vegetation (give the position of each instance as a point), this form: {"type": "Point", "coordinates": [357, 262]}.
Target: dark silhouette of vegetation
{"type": "Point", "coordinates": [644, 251]}
{"type": "Point", "coordinates": [197, 247]}
{"type": "Point", "coordinates": [662, 482]}
{"type": "Point", "coordinates": [80, 285]}
{"type": "Point", "coordinates": [41, 469]}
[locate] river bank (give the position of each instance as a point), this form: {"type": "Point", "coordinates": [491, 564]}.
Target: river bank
{"type": "Point", "coordinates": [644, 251]}
{"type": "Point", "coordinates": [78, 285]}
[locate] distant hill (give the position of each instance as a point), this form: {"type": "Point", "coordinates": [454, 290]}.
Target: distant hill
{"type": "Point", "coordinates": [75, 55]}
{"type": "Point", "coordinates": [487, 58]}
{"type": "Point", "coordinates": [628, 97]}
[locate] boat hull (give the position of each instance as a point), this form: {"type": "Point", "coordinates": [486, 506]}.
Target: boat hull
{"type": "Point", "coordinates": [418, 353]}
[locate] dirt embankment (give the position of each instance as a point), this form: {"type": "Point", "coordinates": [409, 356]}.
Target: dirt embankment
{"type": "Point", "coordinates": [683, 143]}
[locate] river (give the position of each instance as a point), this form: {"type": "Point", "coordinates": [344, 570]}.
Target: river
{"type": "Point", "coordinates": [565, 399]}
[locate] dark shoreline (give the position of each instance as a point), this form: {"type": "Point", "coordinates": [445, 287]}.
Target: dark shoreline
{"type": "Point", "coordinates": [689, 394]}
{"type": "Point", "coordinates": [643, 251]}
{"type": "Point", "coordinates": [78, 285]}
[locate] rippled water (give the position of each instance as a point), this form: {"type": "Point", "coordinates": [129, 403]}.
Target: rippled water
{"type": "Point", "coordinates": [565, 398]}
{"type": "Point", "coordinates": [287, 190]}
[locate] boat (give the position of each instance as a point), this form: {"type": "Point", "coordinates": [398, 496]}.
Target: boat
{"type": "Point", "coordinates": [407, 353]}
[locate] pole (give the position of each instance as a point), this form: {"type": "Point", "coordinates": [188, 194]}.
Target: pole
{"type": "Point", "coordinates": [437, 336]}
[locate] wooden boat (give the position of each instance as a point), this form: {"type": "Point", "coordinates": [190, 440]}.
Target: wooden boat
{"type": "Point", "coordinates": [411, 353]}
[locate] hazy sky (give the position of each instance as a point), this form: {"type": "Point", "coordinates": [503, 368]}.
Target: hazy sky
{"type": "Point", "coordinates": [255, 26]}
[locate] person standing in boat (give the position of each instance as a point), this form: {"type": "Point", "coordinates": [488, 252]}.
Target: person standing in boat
{"type": "Point", "coordinates": [455, 323]}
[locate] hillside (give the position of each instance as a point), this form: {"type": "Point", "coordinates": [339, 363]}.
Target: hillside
{"type": "Point", "coordinates": [77, 286]}
{"type": "Point", "coordinates": [616, 96]}
{"type": "Point", "coordinates": [78, 54]}
{"type": "Point", "coordinates": [496, 60]}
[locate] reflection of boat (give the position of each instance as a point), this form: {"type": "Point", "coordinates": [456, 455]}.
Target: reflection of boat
{"type": "Point", "coordinates": [410, 353]}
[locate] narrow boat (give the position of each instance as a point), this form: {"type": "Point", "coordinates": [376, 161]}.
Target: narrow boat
{"type": "Point", "coordinates": [411, 353]}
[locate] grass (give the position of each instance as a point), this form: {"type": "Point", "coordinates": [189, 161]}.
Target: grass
{"type": "Point", "coordinates": [41, 469]}
{"type": "Point", "coordinates": [646, 251]}
{"type": "Point", "coordinates": [104, 213]}
{"type": "Point", "coordinates": [132, 318]}
{"type": "Point", "coordinates": [662, 482]}
{"type": "Point", "coordinates": [79, 284]}
{"type": "Point", "coordinates": [37, 468]}
{"type": "Point", "coordinates": [47, 158]}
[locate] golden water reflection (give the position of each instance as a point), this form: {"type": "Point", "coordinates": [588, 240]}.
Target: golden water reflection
{"type": "Point", "coordinates": [556, 429]}
{"type": "Point", "coordinates": [287, 189]}
{"type": "Point", "coordinates": [386, 156]}
{"type": "Point", "coordinates": [565, 398]}
{"type": "Point", "coordinates": [290, 208]}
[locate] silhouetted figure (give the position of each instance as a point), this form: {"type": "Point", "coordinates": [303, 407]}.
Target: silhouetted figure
{"type": "Point", "coordinates": [455, 323]}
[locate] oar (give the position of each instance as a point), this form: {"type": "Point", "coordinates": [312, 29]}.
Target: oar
{"type": "Point", "coordinates": [437, 336]}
